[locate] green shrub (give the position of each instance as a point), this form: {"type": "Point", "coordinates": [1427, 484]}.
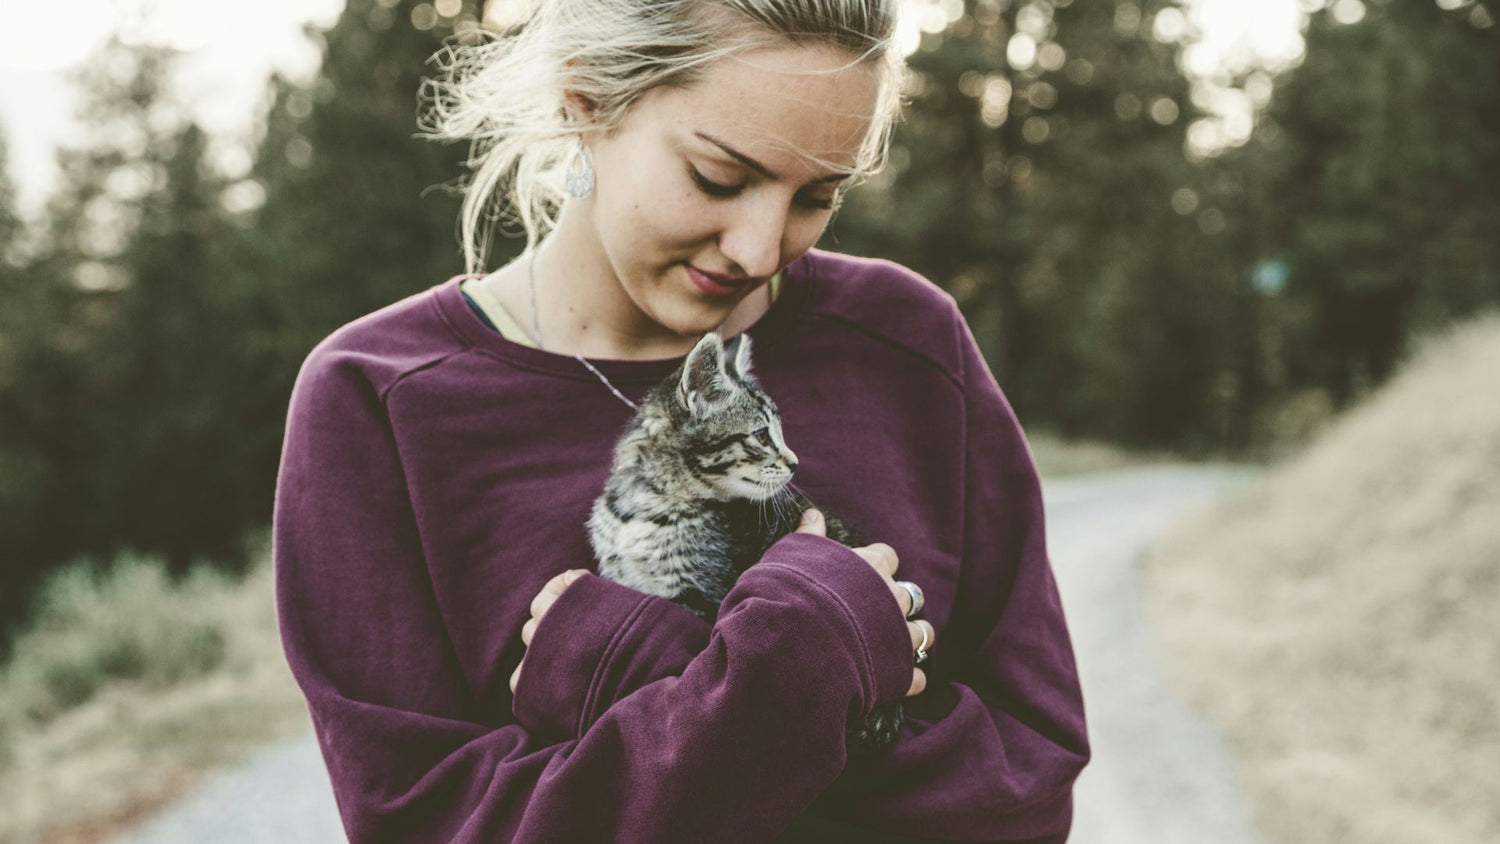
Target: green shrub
{"type": "Point", "coordinates": [129, 622]}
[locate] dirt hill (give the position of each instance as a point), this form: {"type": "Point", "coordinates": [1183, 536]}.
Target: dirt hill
{"type": "Point", "coordinates": [1341, 621]}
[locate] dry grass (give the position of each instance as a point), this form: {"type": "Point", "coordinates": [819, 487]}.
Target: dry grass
{"type": "Point", "coordinates": [128, 690]}
{"type": "Point", "coordinates": [1339, 621]}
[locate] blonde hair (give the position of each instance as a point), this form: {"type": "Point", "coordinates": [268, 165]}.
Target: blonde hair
{"type": "Point", "coordinates": [505, 94]}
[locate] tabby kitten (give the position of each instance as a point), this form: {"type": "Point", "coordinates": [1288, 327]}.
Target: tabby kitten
{"type": "Point", "coordinates": [699, 491]}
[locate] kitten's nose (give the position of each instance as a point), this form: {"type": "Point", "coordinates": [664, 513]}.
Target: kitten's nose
{"type": "Point", "coordinates": [790, 457]}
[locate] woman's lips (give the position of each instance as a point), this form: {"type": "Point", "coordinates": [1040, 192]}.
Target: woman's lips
{"type": "Point", "coordinates": [719, 287]}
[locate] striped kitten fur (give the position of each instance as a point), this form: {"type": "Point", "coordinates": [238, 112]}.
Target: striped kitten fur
{"type": "Point", "coordinates": [699, 490]}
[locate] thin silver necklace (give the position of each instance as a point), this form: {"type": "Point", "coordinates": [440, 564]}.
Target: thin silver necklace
{"type": "Point", "coordinates": [536, 336]}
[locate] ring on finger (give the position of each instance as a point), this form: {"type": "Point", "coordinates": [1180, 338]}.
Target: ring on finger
{"type": "Point", "coordinates": [915, 592]}
{"type": "Point", "coordinates": [921, 654]}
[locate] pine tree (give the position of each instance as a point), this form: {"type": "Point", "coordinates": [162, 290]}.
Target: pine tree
{"type": "Point", "coordinates": [22, 470]}
{"type": "Point", "coordinates": [1388, 187]}
{"type": "Point", "coordinates": [148, 412]}
{"type": "Point", "coordinates": [10, 220]}
{"type": "Point", "coordinates": [119, 341]}
{"type": "Point", "coordinates": [170, 467]}
{"type": "Point", "coordinates": [1034, 178]}
{"type": "Point", "coordinates": [356, 214]}
{"type": "Point", "coordinates": [54, 307]}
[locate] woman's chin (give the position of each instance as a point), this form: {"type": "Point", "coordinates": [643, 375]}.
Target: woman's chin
{"type": "Point", "coordinates": [694, 322]}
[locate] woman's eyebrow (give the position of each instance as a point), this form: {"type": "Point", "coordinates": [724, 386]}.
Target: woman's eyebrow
{"type": "Point", "coordinates": [756, 165]}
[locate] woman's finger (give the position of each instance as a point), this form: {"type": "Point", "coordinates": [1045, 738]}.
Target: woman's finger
{"type": "Point", "coordinates": [527, 631]}
{"type": "Point", "coordinates": [543, 600]}
{"type": "Point", "coordinates": [918, 682]}
{"type": "Point", "coordinates": [922, 635]}
{"type": "Point", "coordinates": [812, 522]}
{"type": "Point", "coordinates": [903, 598]}
{"type": "Point", "coordinates": [881, 556]}
{"type": "Point", "coordinates": [553, 589]}
{"type": "Point", "coordinates": [515, 676]}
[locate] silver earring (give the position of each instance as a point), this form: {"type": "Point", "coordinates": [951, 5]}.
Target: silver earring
{"type": "Point", "coordinates": [580, 177]}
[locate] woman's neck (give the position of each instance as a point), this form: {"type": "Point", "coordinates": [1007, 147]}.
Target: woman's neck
{"type": "Point", "coordinates": [582, 306]}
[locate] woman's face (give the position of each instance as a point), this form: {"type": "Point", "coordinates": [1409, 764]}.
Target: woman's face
{"type": "Point", "coordinates": [703, 193]}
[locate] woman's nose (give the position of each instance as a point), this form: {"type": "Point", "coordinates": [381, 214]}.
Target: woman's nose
{"type": "Point", "coordinates": [753, 239]}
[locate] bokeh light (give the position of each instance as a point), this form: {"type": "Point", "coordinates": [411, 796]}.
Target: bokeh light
{"type": "Point", "coordinates": [1184, 201]}
{"type": "Point", "coordinates": [1170, 25]}
{"type": "Point", "coordinates": [1020, 51]}
{"type": "Point", "coordinates": [1348, 11]}
{"type": "Point", "coordinates": [424, 16]}
{"type": "Point", "coordinates": [1164, 110]}
{"type": "Point", "coordinates": [995, 106]}
{"type": "Point", "coordinates": [1051, 56]}
{"type": "Point", "coordinates": [1036, 130]}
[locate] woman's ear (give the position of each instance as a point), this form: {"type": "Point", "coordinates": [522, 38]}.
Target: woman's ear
{"type": "Point", "coordinates": [578, 109]}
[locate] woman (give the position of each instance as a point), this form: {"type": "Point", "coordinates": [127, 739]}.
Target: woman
{"type": "Point", "coordinates": [681, 159]}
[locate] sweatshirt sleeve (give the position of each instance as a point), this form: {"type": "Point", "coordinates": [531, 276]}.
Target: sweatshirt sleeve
{"type": "Point", "coordinates": [731, 747]}
{"type": "Point", "coordinates": [998, 738]}
{"type": "Point", "coordinates": [600, 641]}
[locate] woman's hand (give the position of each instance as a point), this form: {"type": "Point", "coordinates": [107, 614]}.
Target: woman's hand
{"type": "Point", "coordinates": [551, 591]}
{"type": "Point", "coordinates": [883, 559]}
{"type": "Point", "coordinates": [880, 556]}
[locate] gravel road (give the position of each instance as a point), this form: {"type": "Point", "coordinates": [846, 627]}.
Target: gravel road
{"type": "Point", "coordinates": [1160, 775]}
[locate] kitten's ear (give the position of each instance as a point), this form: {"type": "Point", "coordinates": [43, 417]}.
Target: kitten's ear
{"type": "Point", "coordinates": [703, 381]}
{"type": "Point", "coordinates": [738, 354]}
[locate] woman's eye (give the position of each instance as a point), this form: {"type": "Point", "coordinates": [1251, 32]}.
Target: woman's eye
{"type": "Point", "coordinates": [713, 188]}
{"type": "Point", "coordinates": [816, 203]}
{"type": "Point", "coordinates": [763, 436]}
{"type": "Point", "coordinates": [722, 191]}
{"type": "Point", "coordinates": [725, 191]}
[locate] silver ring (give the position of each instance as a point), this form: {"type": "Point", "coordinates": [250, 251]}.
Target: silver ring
{"type": "Point", "coordinates": [922, 648]}
{"type": "Point", "coordinates": [915, 592]}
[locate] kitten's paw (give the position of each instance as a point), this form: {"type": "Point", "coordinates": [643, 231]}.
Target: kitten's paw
{"type": "Point", "coordinates": [877, 731]}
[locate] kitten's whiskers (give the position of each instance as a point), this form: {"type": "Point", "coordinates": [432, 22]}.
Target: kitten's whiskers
{"type": "Point", "coordinates": [785, 510]}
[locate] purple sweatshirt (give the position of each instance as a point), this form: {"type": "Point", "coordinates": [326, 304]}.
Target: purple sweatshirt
{"type": "Point", "coordinates": [435, 475]}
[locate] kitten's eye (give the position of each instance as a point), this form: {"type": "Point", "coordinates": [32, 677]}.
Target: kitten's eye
{"type": "Point", "coordinates": [763, 436]}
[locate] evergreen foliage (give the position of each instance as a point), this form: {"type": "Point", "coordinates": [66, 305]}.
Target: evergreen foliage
{"type": "Point", "coordinates": [356, 214]}
{"type": "Point", "coordinates": [10, 221]}
{"type": "Point", "coordinates": [1033, 178]}
{"type": "Point", "coordinates": [153, 321]}
{"type": "Point", "coordinates": [147, 352]}
{"type": "Point", "coordinates": [58, 309]}
{"type": "Point", "coordinates": [1384, 165]}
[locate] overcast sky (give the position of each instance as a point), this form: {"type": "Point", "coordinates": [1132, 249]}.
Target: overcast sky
{"type": "Point", "coordinates": [232, 47]}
